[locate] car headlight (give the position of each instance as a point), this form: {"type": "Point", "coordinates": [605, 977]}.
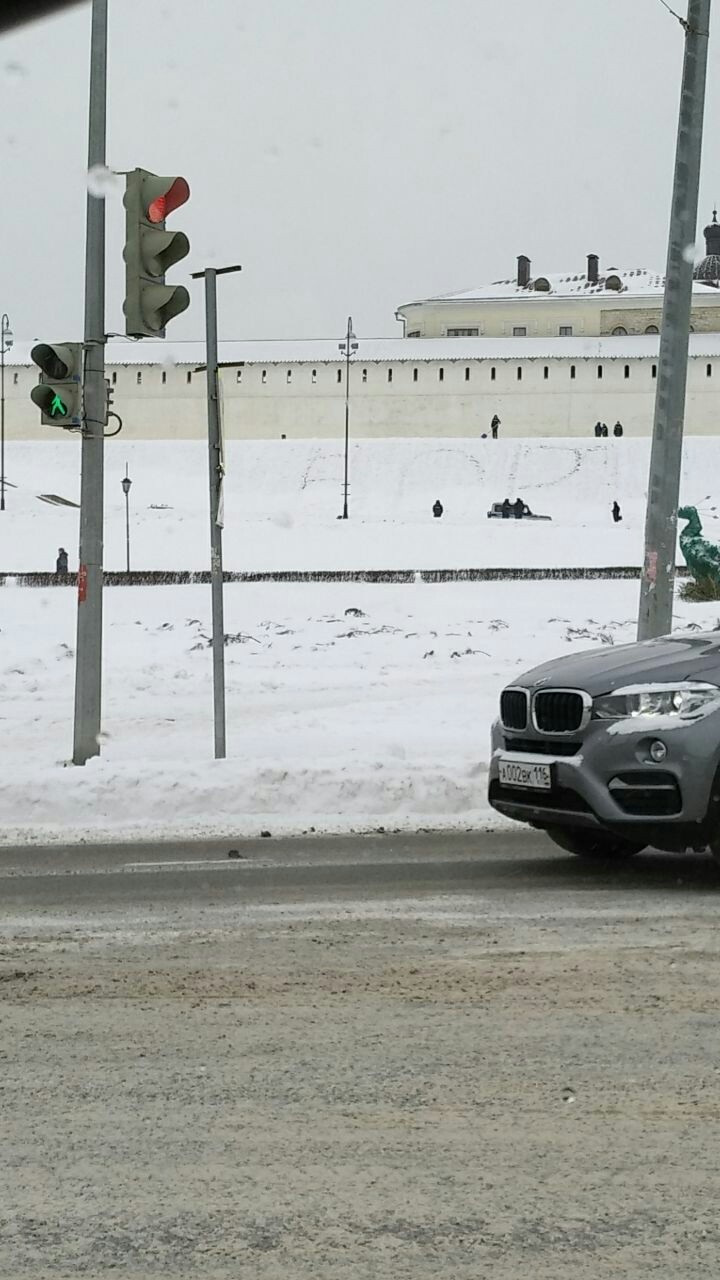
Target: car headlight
{"type": "Point", "coordinates": [683, 701]}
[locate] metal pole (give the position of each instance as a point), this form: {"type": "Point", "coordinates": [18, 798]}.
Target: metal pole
{"type": "Point", "coordinates": [88, 667]}
{"type": "Point", "coordinates": [216, 471]}
{"type": "Point", "coordinates": [126, 490]}
{"type": "Point", "coordinates": [347, 422]}
{"type": "Point", "coordinates": [215, 474]}
{"type": "Point", "coordinates": [658, 580]}
{"type": "Point", "coordinates": [3, 325]}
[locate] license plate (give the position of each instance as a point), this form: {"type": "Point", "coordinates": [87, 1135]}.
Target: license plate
{"type": "Point", "coordinates": [525, 773]}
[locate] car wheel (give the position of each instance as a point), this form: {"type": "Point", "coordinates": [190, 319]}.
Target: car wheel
{"type": "Point", "coordinates": [586, 843]}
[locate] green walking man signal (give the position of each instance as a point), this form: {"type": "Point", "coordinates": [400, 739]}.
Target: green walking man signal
{"type": "Point", "coordinates": [59, 393]}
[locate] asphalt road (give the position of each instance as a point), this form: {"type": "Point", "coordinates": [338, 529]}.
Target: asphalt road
{"type": "Point", "coordinates": [463, 1055]}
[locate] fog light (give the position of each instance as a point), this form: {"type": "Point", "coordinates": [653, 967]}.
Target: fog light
{"type": "Point", "coordinates": [658, 751]}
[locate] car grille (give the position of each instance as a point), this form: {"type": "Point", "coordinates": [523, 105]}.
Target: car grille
{"type": "Point", "coordinates": [542, 747]}
{"type": "Point", "coordinates": [558, 711]}
{"type": "Point", "coordinates": [559, 799]}
{"type": "Point", "coordinates": [646, 794]}
{"type": "Point", "coordinates": [514, 708]}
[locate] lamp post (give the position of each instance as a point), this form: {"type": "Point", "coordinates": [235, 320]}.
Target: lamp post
{"type": "Point", "coordinates": [348, 347]}
{"type": "Point", "coordinates": [126, 482]}
{"type": "Point", "coordinates": [6, 341]}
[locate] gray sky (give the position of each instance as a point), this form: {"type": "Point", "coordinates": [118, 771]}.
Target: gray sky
{"type": "Point", "coordinates": [353, 156]}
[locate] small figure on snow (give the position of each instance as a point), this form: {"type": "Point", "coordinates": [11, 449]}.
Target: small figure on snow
{"type": "Point", "coordinates": [616, 513]}
{"type": "Point", "coordinates": [61, 564]}
{"type": "Point", "coordinates": [437, 508]}
{"type": "Point", "coordinates": [618, 429]}
{"type": "Point", "coordinates": [598, 429]}
{"type": "Point", "coordinates": [604, 430]}
{"type": "Point", "coordinates": [506, 508]}
{"type": "Point", "coordinates": [495, 423]}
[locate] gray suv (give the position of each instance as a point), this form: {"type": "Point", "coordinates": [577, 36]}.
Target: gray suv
{"type": "Point", "coordinates": [614, 749]}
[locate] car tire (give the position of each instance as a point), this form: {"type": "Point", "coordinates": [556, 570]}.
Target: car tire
{"type": "Point", "coordinates": [598, 845]}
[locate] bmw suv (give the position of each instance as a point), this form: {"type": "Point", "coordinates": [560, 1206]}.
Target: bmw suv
{"type": "Point", "coordinates": [611, 750]}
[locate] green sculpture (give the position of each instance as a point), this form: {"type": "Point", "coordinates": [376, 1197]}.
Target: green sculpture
{"type": "Point", "coordinates": [702, 557]}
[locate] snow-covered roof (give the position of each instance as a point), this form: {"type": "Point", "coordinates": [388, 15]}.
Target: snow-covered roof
{"type": "Point", "coordinates": [388, 350]}
{"type": "Point", "coordinates": [634, 282]}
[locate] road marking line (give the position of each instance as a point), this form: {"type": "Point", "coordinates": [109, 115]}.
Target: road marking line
{"type": "Point", "coordinates": [185, 862]}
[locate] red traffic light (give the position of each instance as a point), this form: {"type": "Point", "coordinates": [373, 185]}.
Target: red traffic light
{"type": "Point", "coordinates": [164, 204]}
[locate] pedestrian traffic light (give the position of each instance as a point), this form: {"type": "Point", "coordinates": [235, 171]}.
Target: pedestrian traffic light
{"type": "Point", "coordinates": [59, 394]}
{"type": "Point", "coordinates": [150, 250]}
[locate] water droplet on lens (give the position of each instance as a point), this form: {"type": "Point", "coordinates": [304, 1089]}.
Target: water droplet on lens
{"type": "Point", "coordinates": [101, 181]}
{"type": "Point", "coordinates": [568, 1095]}
{"type": "Point", "coordinates": [15, 69]}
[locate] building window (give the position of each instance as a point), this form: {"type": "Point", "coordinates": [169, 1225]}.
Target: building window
{"type": "Point", "coordinates": [654, 371]}
{"type": "Point", "coordinates": [415, 375]}
{"type": "Point", "coordinates": [114, 377]}
{"type": "Point", "coordinates": [389, 375]}
{"type": "Point", "coordinates": [520, 331]}
{"type": "Point", "coordinates": [546, 373]}
{"type": "Point", "coordinates": [519, 373]}
{"type": "Point", "coordinates": [15, 379]}
{"type": "Point", "coordinates": [238, 376]}
{"type": "Point", "coordinates": [188, 377]}
{"type": "Point", "coordinates": [263, 376]}
{"type": "Point", "coordinates": [138, 378]}
{"type": "Point", "coordinates": [364, 375]}
{"type": "Point", "coordinates": [492, 374]}
{"type": "Point", "coordinates": [467, 375]}
{"type": "Point", "coordinates": [619, 331]}
{"type": "Point", "coordinates": [652, 328]}
{"type": "Point", "coordinates": [463, 333]}
{"type": "Point", "coordinates": [627, 370]}
{"type": "Point", "coordinates": [163, 377]}
{"type": "Point", "coordinates": [441, 375]}
{"type": "Point", "coordinates": [708, 371]}
{"type": "Point", "coordinates": [599, 371]}
{"type": "Point", "coordinates": [313, 376]}
{"type": "Point", "coordinates": [288, 377]}
{"type": "Point", "coordinates": [565, 331]}
{"type": "Point", "coordinates": [414, 333]}
{"type": "Point", "coordinates": [339, 375]}
{"type": "Point", "coordinates": [572, 370]}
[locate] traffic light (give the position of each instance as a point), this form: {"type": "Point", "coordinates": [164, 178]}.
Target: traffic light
{"type": "Point", "coordinates": [150, 250]}
{"type": "Point", "coordinates": [59, 395]}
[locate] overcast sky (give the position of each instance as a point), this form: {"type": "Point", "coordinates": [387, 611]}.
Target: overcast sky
{"type": "Point", "coordinates": [351, 155]}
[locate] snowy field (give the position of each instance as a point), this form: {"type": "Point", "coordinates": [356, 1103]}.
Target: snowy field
{"type": "Point", "coordinates": [283, 498]}
{"type": "Point", "coordinates": [349, 707]}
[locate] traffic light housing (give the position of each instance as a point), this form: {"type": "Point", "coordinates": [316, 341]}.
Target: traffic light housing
{"type": "Point", "coordinates": [59, 393]}
{"type": "Point", "coordinates": [150, 250]}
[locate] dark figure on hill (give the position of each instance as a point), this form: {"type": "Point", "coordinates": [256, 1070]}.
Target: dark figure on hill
{"type": "Point", "coordinates": [494, 426]}
{"type": "Point", "coordinates": [437, 508]}
{"type": "Point", "coordinates": [604, 430]}
{"type": "Point", "coordinates": [598, 430]}
{"type": "Point", "coordinates": [506, 508]}
{"type": "Point", "coordinates": [61, 564]}
{"type": "Point", "coordinates": [618, 429]}
{"type": "Point", "coordinates": [616, 513]}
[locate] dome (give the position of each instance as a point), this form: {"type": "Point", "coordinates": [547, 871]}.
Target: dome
{"type": "Point", "coordinates": [709, 269]}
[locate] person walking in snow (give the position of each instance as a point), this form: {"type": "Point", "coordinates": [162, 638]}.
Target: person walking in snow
{"type": "Point", "coordinates": [506, 508]}
{"type": "Point", "coordinates": [598, 430]}
{"type": "Point", "coordinates": [495, 423]}
{"type": "Point", "coordinates": [61, 564]}
{"type": "Point", "coordinates": [437, 508]}
{"type": "Point", "coordinates": [618, 429]}
{"type": "Point", "coordinates": [617, 517]}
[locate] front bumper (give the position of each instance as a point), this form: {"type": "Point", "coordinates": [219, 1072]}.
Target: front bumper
{"type": "Point", "coordinates": [605, 778]}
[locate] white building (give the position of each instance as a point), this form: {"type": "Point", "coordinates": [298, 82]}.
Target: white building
{"type": "Point", "coordinates": [551, 357]}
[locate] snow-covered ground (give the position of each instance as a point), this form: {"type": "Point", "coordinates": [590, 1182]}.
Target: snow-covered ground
{"type": "Point", "coordinates": [283, 498]}
{"type": "Point", "coordinates": [349, 707]}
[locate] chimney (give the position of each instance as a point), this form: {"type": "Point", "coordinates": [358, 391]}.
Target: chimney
{"type": "Point", "coordinates": [523, 271]}
{"type": "Point", "coordinates": [593, 268]}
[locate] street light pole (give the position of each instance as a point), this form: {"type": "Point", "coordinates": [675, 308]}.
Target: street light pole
{"type": "Point", "coordinates": [6, 341]}
{"type": "Point", "coordinates": [658, 578]}
{"type": "Point", "coordinates": [216, 467]}
{"type": "Point", "coordinates": [126, 482]}
{"type": "Point", "coordinates": [348, 346]}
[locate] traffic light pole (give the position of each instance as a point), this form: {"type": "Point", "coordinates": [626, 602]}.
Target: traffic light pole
{"type": "Point", "coordinates": [216, 471]}
{"type": "Point", "coordinates": [88, 663]}
{"type": "Point", "coordinates": [658, 580]}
